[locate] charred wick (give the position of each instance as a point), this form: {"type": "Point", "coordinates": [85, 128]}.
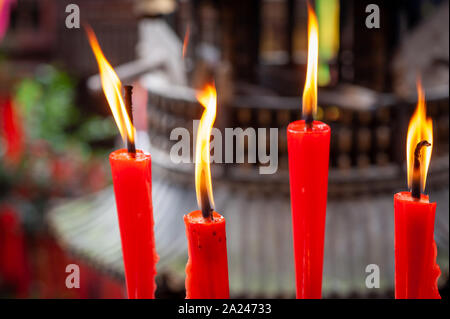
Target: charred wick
{"type": "Point", "coordinates": [207, 210]}
{"type": "Point", "coordinates": [131, 147]}
{"type": "Point", "coordinates": [309, 120]}
{"type": "Point", "coordinates": [415, 187]}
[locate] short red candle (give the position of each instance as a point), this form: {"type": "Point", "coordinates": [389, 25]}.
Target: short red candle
{"type": "Point", "coordinates": [133, 190]}
{"type": "Point", "coordinates": [416, 271]}
{"type": "Point", "coordinates": [308, 150]}
{"type": "Point", "coordinates": [207, 267]}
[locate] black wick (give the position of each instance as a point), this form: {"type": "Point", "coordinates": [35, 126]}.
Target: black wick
{"type": "Point", "coordinates": [308, 116]}
{"type": "Point", "coordinates": [207, 210]}
{"type": "Point", "coordinates": [131, 147]}
{"type": "Point", "coordinates": [415, 187]}
{"type": "Point", "coordinates": [309, 120]}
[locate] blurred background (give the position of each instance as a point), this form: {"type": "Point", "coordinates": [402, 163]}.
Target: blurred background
{"type": "Point", "coordinates": [56, 199]}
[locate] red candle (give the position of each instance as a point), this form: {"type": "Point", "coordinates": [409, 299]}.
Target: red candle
{"type": "Point", "coordinates": [416, 271]}
{"type": "Point", "coordinates": [132, 180]}
{"type": "Point", "coordinates": [308, 149]}
{"type": "Point", "coordinates": [308, 173]}
{"type": "Point", "coordinates": [207, 267]}
{"type": "Point", "coordinates": [131, 175]}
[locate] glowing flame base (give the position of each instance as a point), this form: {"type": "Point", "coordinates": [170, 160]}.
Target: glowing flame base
{"type": "Point", "coordinates": [208, 98]}
{"type": "Point", "coordinates": [420, 129]}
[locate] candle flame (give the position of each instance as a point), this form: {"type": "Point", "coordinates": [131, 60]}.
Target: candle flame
{"type": "Point", "coordinates": [310, 90]}
{"type": "Point", "coordinates": [112, 88]}
{"type": "Point", "coordinates": [420, 128]}
{"type": "Point", "coordinates": [208, 98]}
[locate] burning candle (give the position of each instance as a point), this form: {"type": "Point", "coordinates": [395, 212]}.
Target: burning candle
{"type": "Point", "coordinates": [207, 267]}
{"type": "Point", "coordinates": [416, 271]}
{"type": "Point", "coordinates": [132, 179]}
{"type": "Point", "coordinates": [308, 149]}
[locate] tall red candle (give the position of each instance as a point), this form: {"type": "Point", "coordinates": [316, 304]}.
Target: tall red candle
{"type": "Point", "coordinates": [308, 172]}
{"type": "Point", "coordinates": [416, 271]}
{"type": "Point", "coordinates": [133, 188]}
{"type": "Point", "coordinates": [308, 150]}
{"type": "Point", "coordinates": [207, 267]}
{"type": "Point", "coordinates": [132, 179]}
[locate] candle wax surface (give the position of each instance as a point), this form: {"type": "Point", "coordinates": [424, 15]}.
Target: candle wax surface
{"type": "Point", "coordinates": [133, 190]}
{"type": "Point", "coordinates": [207, 267]}
{"type": "Point", "coordinates": [123, 155]}
{"type": "Point", "coordinates": [416, 271]}
{"type": "Point", "coordinates": [308, 150]}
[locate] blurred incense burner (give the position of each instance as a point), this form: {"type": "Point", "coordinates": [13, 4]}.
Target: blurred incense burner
{"type": "Point", "coordinates": [258, 66]}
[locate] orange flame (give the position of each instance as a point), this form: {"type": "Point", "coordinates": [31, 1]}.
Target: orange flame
{"type": "Point", "coordinates": [310, 90]}
{"type": "Point", "coordinates": [186, 39]}
{"type": "Point", "coordinates": [112, 88]}
{"type": "Point", "coordinates": [208, 98]}
{"type": "Point", "coordinates": [420, 128]}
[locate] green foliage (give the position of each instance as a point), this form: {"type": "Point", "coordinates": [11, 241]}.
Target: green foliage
{"type": "Point", "coordinates": [48, 106]}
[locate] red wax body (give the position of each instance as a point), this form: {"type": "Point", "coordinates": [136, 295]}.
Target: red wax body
{"type": "Point", "coordinates": [308, 172]}
{"type": "Point", "coordinates": [207, 267]}
{"type": "Point", "coordinates": [132, 180]}
{"type": "Point", "coordinates": [416, 271]}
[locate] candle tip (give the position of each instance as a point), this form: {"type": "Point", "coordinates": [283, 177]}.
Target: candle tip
{"type": "Point", "coordinates": [309, 120]}
{"type": "Point", "coordinates": [206, 208]}
{"type": "Point", "coordinates": [415, 188]}
{"type": "Point", "coordinates": [131, 147]}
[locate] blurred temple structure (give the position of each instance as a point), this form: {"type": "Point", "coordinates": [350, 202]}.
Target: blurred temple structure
{"type": "Point", "coordinates": [256, 53]}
